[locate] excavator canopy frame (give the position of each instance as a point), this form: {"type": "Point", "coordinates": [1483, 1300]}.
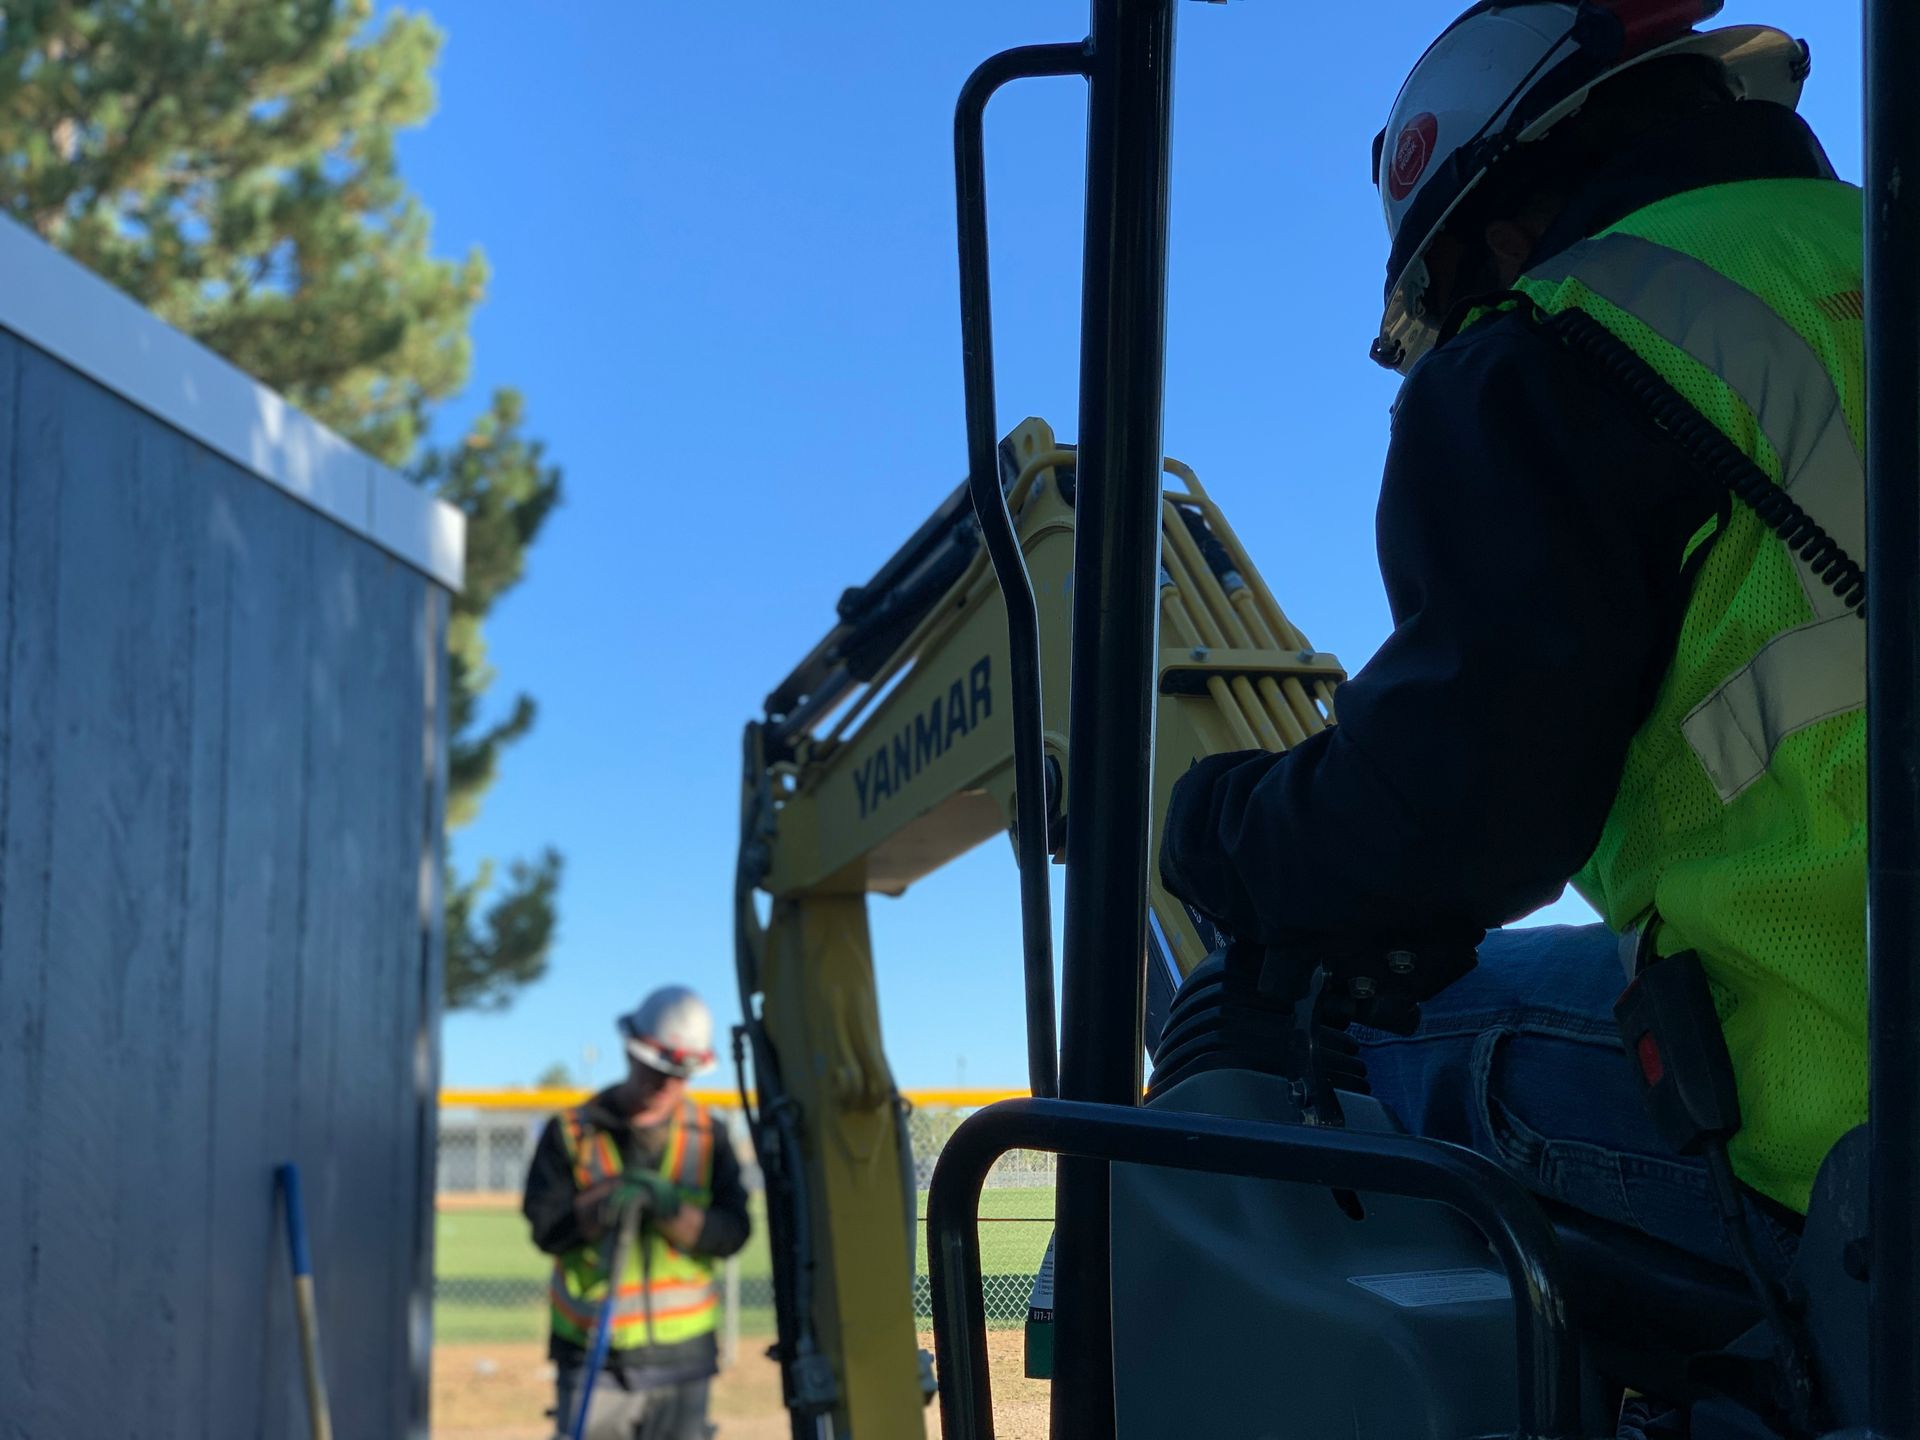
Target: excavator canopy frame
{"type": "Point", "coordinates": [1127, 62]}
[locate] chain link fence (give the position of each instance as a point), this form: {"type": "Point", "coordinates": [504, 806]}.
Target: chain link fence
{"type": "Point", "coordinates": [490, 1282]}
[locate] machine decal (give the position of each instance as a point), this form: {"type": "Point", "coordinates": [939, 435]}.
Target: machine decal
{"type": "Point", "coordinates": [897, 760]}
{"type": "Point", "coordinates": [1416, 1289]}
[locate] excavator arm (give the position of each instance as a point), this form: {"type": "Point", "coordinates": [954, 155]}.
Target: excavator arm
{"type": "Point", "coordinates": [886, 754]}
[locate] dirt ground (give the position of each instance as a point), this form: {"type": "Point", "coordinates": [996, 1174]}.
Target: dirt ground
{"type": "Point", "coordinates": [501, 1391]}
{"type": "Point", "coordinates": [1019, 1404]}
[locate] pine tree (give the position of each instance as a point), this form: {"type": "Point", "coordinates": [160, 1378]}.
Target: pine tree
{"type": "Point", "coordinates": [230, 164]}
{"type": "Point", "coordinates": [497, 937]}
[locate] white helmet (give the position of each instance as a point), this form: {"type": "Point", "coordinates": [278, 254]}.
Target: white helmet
{"type": "Point", "coordinates": [671, 1032]}
{"type": "Point", "coordinates": [1503, 75]}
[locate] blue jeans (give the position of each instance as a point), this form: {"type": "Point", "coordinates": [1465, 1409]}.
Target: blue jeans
{"type": "Point", "coordinates": [1521, 1061]}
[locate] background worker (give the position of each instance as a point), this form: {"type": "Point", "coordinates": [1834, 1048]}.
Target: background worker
{"type": "Point", "coordinates": [641, 1149]}
{"type": "Point", "coordinates": [1603, 666]}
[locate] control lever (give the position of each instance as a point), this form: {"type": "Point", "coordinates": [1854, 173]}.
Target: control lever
{"type": "Point", "coordinates": [1286, 1010]}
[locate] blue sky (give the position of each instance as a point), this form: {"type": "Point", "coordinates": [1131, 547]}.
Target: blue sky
{"type": "Point", "coordinates": [724, 275]}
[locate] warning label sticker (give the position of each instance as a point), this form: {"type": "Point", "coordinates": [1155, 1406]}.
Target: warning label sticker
{"type": "Point", "coordinates": [1040, 1302]}
{"type": "Point", "coordinates": [1416, 1289]}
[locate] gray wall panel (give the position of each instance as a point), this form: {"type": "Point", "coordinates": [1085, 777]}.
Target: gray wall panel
{"type": "Point", "coordinates": [90, 895]}
{"type": "Point", "coordinates": [200, 871]}
{"type": "Point", "coordinates": [26, 919]}
{"type": "Point", "coordinates": [414, 1387]}
{"type": "Point", "coordinates": [220, 726]}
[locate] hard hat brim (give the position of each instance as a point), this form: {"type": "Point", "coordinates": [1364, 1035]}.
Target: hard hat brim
{"type": "Point", "coordinates": [654, 1058]}
{"type": "Point", "coordinates": [1760, 62]}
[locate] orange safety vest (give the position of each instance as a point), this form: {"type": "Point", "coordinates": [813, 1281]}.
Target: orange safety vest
{"type": "Point", "coordinates": [666, 1296]}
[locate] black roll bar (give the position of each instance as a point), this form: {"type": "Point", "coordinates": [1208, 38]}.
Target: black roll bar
{"type": "Point", "coordinates": [1548, 1362]}
{"type": "Point", "coordinates": [1893, 710]}
{"type": "Point", "coordinates": [1003, 542]}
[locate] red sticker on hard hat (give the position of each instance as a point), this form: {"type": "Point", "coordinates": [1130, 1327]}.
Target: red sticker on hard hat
{"type": "Point", "coordinates": [1412, 153]}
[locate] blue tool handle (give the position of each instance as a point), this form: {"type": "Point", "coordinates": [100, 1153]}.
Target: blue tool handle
{"type": "Point", "coordinates": [288, 1178]}
{"type": "Point", "coordinates": [306, 1309]}
{"type": "Point", "coordinates": [603, 1327]}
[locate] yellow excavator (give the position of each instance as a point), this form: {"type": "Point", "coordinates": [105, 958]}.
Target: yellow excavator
{"type": "Point", "coordinates": [1253, 1249]}
{"type": "Point", "coordinates": [888, 753]}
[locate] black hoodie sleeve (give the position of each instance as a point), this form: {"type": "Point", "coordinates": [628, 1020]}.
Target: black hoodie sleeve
{"type": "Point", "coordinates": [548, 1201]}
{"type": "Point", "coordinates": [1531, 528]}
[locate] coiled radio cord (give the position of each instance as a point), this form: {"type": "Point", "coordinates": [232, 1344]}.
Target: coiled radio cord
{"type": "Point", "coordinates": [1707, 445]}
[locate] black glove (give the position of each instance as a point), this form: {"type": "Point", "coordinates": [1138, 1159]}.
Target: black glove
{"type": "Point", "coordinates": [1194, 863]}
{"type": "Point", "coordinates": [646, 1193]}
{"type": "Point", "coordinates": [600, 1207]}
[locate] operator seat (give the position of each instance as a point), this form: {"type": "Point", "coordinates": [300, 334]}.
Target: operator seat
{"type": "Point", "coordinates": [1646, 1308]}
{"type": "Point", "coordinates": [1830, 1278]}
{"type": "Point", "coordinates": [1654, 1318]}
{"type": "Point", "coordinates": [1643, 1306]}
{"type": "Point", "coordinates": [1623, 1281]}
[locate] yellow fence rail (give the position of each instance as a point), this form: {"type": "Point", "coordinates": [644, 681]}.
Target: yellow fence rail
{"type": "Point", "coordinates": [718, 1099]}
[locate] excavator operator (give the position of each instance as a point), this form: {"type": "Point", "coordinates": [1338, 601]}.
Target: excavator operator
{"type": "Point", "coordinates": [1612, 661]}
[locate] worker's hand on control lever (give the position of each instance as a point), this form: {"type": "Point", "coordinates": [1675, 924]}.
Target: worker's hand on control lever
{"type": "Point", "coordinates": [1209, 860]}
{"type": "Point", "coordinates": [1195, 862]}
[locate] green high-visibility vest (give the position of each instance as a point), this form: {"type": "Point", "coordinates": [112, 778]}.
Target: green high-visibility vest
{"type": "Point", "coordinates": [666, 1296]}
{"type": "Point", "coordinates": [1741, 818]}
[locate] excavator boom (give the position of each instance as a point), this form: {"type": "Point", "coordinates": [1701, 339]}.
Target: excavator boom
{"type": "Point", "coordinates": [888, 753]}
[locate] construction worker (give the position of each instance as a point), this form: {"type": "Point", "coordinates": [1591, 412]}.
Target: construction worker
{"type": "Point", "coordinates": [640, 1154]}
{"type": "Point", "coordinates": [1606, 666]}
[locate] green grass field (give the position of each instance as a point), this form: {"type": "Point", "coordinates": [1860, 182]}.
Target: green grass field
{"type": "Point", "coordinates": [1007, 1247]}
{"type": "Point", "coordinates": [491, 1282]}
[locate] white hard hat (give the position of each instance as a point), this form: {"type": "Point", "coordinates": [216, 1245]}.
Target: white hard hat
{"type": "Point", "coordinates": [671, 1031]}
{"type": "Point", "coordinates": [1503, 75]}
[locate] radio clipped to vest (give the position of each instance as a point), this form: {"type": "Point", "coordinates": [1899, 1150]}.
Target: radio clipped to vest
{"type": "Point", "coordinates": [1672, 1034]}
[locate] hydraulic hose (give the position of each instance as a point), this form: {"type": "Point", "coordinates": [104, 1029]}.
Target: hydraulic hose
{"type": "Point", "coordinates": [776, 1132]}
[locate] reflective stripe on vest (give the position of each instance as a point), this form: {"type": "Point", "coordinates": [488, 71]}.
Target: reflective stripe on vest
{"type": "Point", "coordinates": [1819, 670]}
{"type": "Point", "coordinates": [594, 1155]}
{"type": "Point", "coordinates": [673, 1300]}
{"type": "Point", "coordinates": [687, 1160]}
